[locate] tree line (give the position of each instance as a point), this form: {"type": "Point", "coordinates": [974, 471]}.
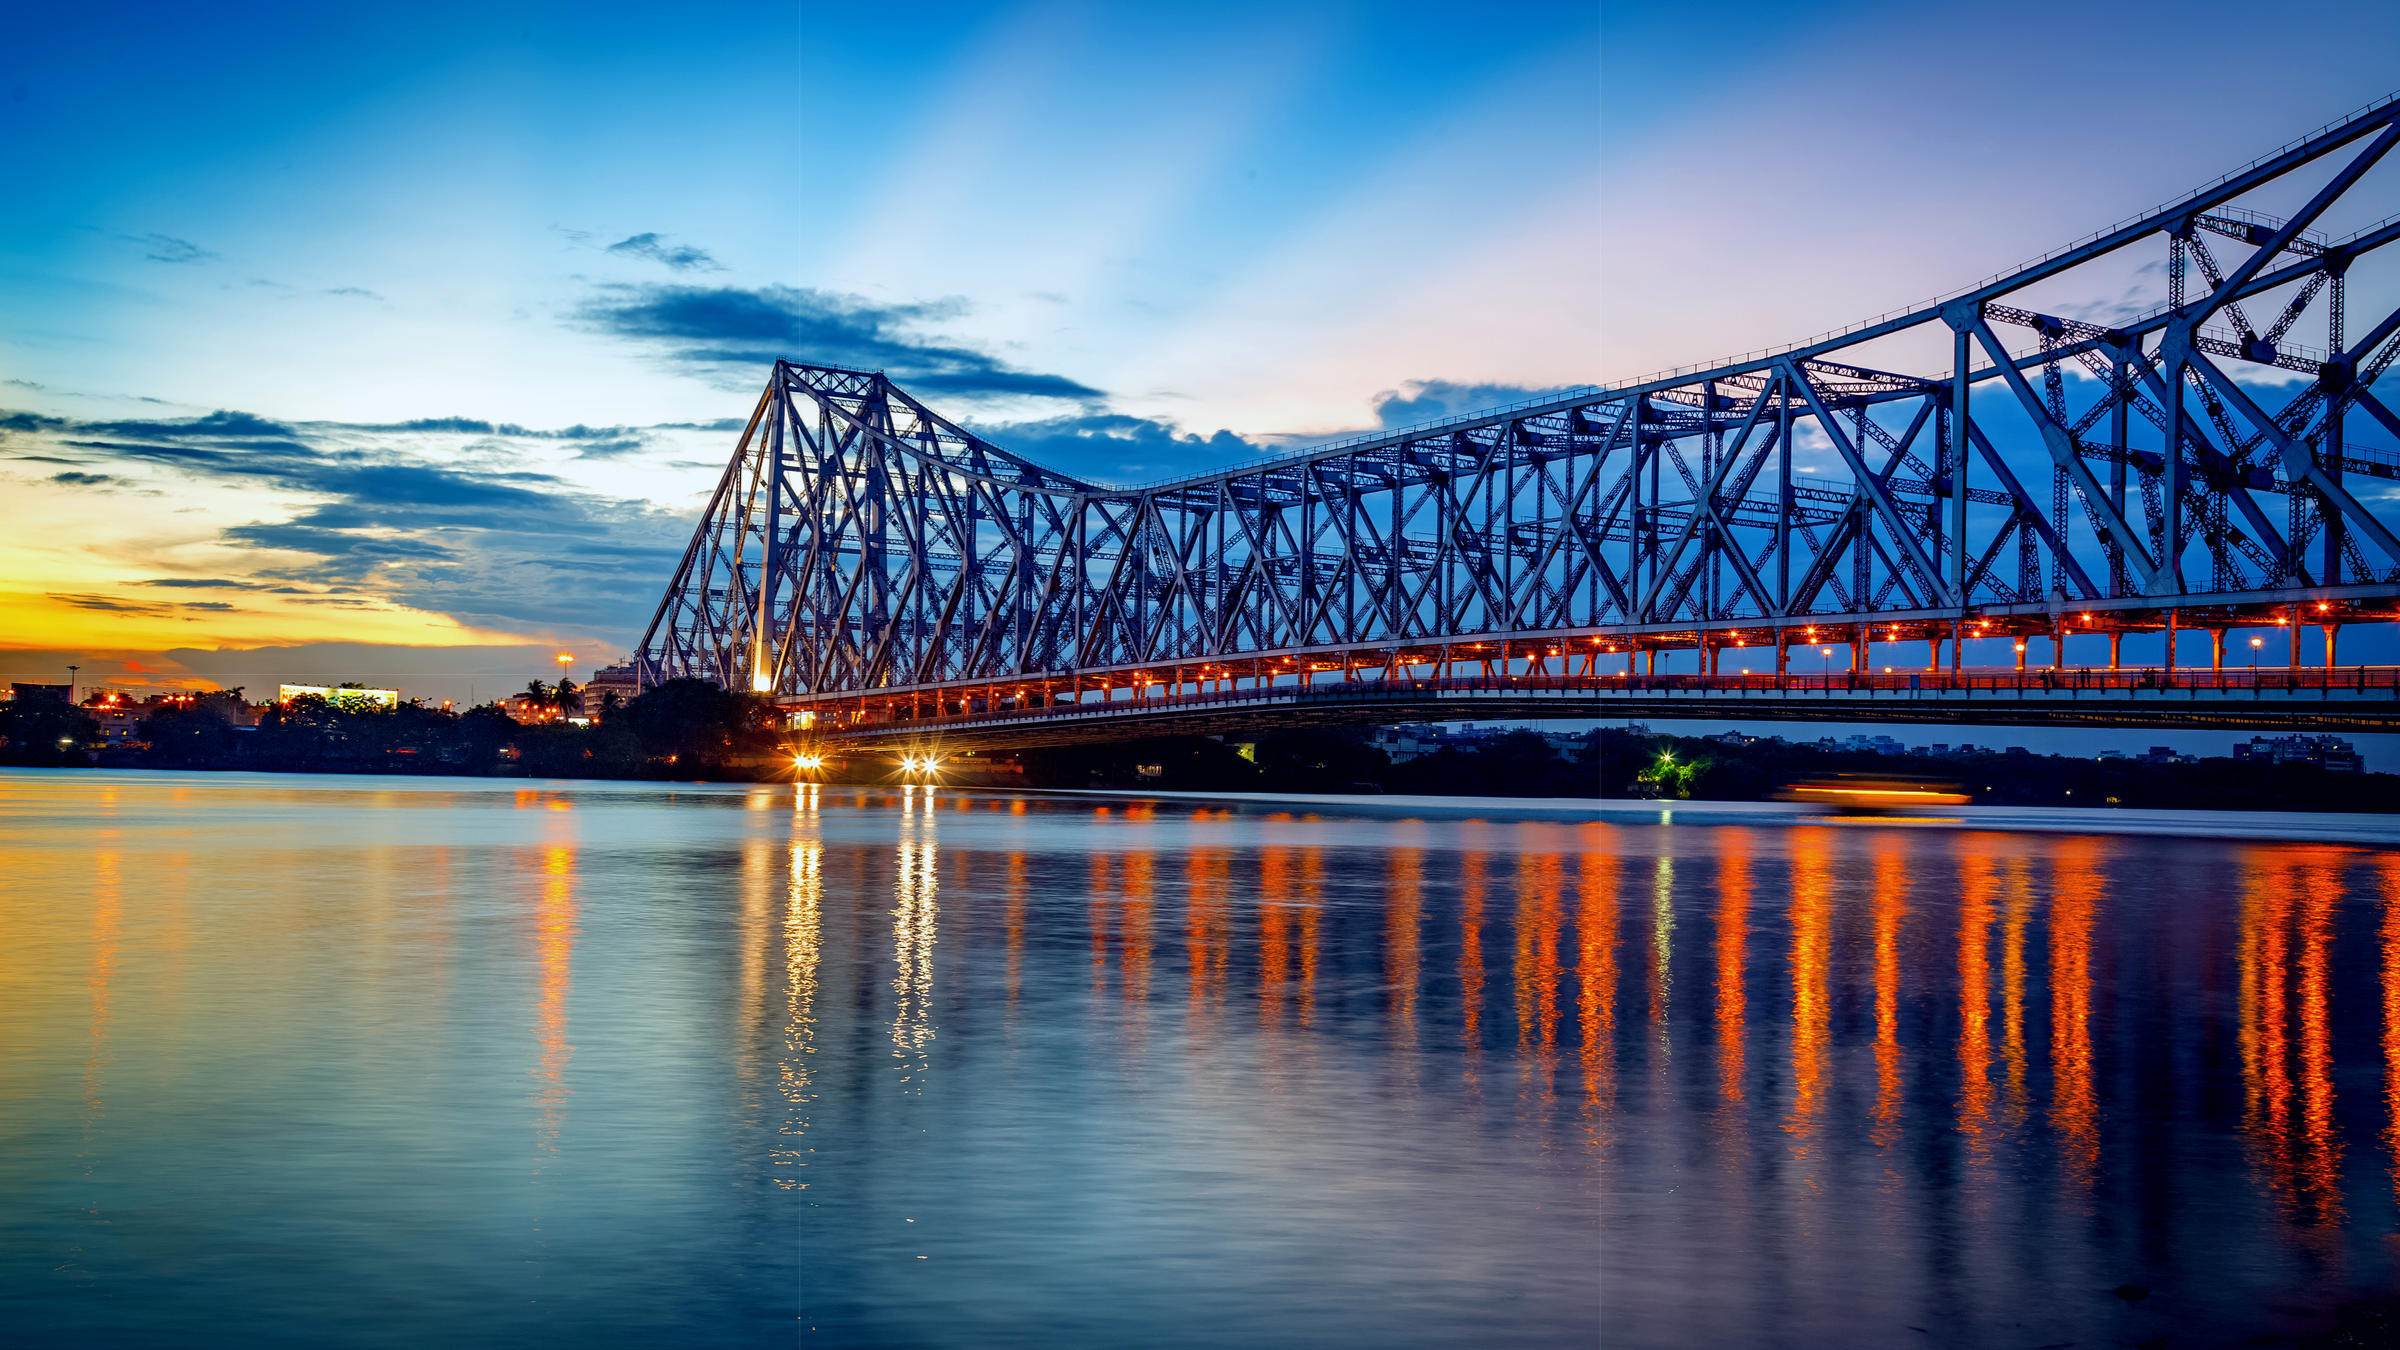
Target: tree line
{"type": "Point", "coordinates": [682, 728]}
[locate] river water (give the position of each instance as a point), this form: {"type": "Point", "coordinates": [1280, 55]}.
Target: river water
{"type": "Point", "coordinates": [301, 1061]}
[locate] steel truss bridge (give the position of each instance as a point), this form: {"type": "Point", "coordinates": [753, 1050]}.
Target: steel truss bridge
{"type": "Point", "coordinates": [1998, 471]}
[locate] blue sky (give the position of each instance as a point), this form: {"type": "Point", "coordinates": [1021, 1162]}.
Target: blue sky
{"type": "Point", "coordinates": [474, 287]}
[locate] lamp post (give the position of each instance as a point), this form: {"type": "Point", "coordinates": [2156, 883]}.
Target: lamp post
{"type": "Point", "coordinates": [71, 684]}
{"type": "Point", "coordinates": [2255, 644]}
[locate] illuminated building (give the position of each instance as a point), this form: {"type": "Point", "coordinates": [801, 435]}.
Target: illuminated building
{"type": "Point", "coordinates": [349, 696]}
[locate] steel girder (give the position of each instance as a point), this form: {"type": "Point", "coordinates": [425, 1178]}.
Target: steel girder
{"type": "Point", "coordinates": [859, 541]}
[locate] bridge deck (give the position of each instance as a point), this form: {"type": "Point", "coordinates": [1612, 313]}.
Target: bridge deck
{"type": "Point", "coordinates": [2357, 699]}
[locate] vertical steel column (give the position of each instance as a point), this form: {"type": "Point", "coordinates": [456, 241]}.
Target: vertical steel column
{"type": "Point", "coordinates": [762, 631]}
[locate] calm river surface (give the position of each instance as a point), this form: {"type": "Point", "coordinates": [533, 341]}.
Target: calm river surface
{"type": "Point", "coordinates": [309, 1061]}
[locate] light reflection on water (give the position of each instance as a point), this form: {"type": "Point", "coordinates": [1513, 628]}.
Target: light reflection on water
{"type": "Point", "coordinates": [292, 1061]}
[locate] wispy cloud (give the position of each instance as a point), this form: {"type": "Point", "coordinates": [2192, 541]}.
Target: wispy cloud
{"type": "Point", "coordinates": [166, 248]}
{"type": "Point", "coordinates": [680, 257]}
{"type": "Point", "coordinates": [109, 605]}
{"type": "Point", "coordinates": [737, 327]}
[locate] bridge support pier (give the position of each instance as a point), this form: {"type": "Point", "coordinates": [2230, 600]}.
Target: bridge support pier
{"type": "Point", "coordinates": [2291, 629]}
{"type": "Point", "coordinates": [2332, 632]}
{"type": "Point", "coordinates": [2169, 662]}
{"type": "Point", "coordinates": [1933, 655]}
{"type": "Point", "coordinates": [2116, 646]}
{"type": "Point", "coordinates": [2216, 649]}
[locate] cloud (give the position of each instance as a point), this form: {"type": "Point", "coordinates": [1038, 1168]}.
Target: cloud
{"type": "Point", "coordinates": [1115, 447]}
{"type": "Point", "coordinates": [730, 326]}
{"type": "Point", "coordinates": [680, 257]}
{"type": "Point", "coordinates": [358, 292]}
{"type": "Point", "coordinates": [397, 514]}
{"type": "Point", "coordinates": [203, 583]}
{"type": "Point", "coordinates": [109, 605]}
{"type": "Point", "coordinates": [616, 449]}
{"type": "Point", "coordinates": [72, 479]}
{"type": "Point", "coordinates": [1419, 401]}
{"type": "Point", "coordinates": [166, 248]}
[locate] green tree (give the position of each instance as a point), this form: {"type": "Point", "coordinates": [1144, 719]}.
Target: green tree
{"type": "Point", "coordinates": [191, 735]}
{"type": "Point", "coordinates": [690, 722]}
{"type": "Point", "coordinates": [45, 731]}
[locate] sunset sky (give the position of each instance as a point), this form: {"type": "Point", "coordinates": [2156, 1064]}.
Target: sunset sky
{"type": "Point", "coordinates": [399, 344]}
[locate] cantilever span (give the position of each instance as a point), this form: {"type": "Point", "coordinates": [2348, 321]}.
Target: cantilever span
{"type": "Point", "coordinates": [2016, 463]}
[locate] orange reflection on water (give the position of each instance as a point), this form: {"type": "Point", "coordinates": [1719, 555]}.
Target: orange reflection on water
{"type": "Point", "coordinates": [1103, 885]}
{"type": "Point", "coordinates": [2320, 1143]}
{"type": "Point", "coordinates": [1975, 909]}
{"type": "Point", "coordinates": [1404, 909]}
{"type": "Point", "coordinates": [2012, 984]}
{"type": "Point", "coordinates": [1812, 950]}
{"type": "Point", "coordinates": [1135, 930]}
{"type": "Point", "coordinates": [2075, 889]}
{"type": "Point", "coordinates": [2288, 903]}
{"type": "Point", "coordinates": [1596, 965]}
{"type": "Point", "coordinates": [1540, 916]}
{"type": "Point", "coordinates": [2389, 867]}
{"type": "Point", "coordinates": [2266, 1082]}
{"type": "Point", "coordinates": [1733, 952]}
{"type": "Point", "coordinates": [1013, 912]}
{"type": "Point", "coordinates": [1274, 933]}
{"type": "Point", "coordinates": [554, 946]}
{"type": "Point", "coordinates": [1890, 906]}
{"type": "Point", "coordinates": [1312, 879]}
{"type": "Point", "coordinates": [1207, 939]}
{"type": "Point", "coordinates": [1470, 957]}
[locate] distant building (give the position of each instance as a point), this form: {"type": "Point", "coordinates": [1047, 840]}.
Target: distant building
{"type": "Point", "coordinates": [618, 679]}
{"type": "Point", "coordinates": [2330, 753]}
{"type": "Point", "coordinates": [26, 692]}
{"type": "Point", "coordinates": [1408, 741]}
{"type": "Point", "coordinates": [348, 696]}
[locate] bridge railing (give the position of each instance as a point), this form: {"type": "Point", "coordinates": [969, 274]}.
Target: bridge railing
{"type": "Point", "coordinates": [2154, 681]}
